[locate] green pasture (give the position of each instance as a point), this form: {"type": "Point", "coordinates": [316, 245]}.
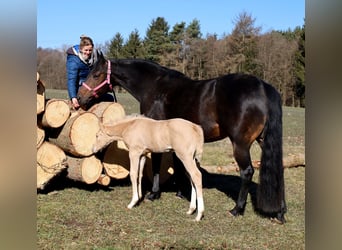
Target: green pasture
{"type": "Point", "coordinates": [72, 215]}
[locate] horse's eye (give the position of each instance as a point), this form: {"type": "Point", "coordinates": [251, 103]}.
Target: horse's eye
{"type": "Point", "coordinates": [97, 75]}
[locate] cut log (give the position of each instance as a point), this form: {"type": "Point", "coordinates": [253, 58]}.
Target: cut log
{"type": "Point", "coordinates": [104, 180]}
{"type": "Point", "coordinates": [86, 169]}
{"type": "Point", "coordinates": [116, 163]}
{"type": "Point", "coordinates": [57, 112]}
{"type": "Point", "coordinates": [40, 136]}
{"type": "Point", "coordinates": [108, 112]}
{"type": "Point", "coordinates": [40, 97]}
{"type": "Point", "coordinates": [289, 161]}
{"type": "Point", "coordinates": [116, 160]}
{"type": "Point", "coordinates": [81, 135]}
{"type": "Point", "coordinates": [51, 160]}
{"type": "Point", "coordinates": [294, 160]}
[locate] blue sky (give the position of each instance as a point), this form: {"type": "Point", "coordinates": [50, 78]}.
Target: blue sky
{"type": "Point", "coordinates": [61, 22]}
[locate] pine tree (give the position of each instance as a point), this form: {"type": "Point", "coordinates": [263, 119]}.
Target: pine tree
{"type": "Point", "coordinates": [157, 41]}
{"type": "Point", "coordinates": [299, 87]}
{"type": "Point", "coordinates": [133, 48]}
{"type": "Point", "coordinates": [244, 43]}
{"type": "Point", "coordinates": [115, 47]}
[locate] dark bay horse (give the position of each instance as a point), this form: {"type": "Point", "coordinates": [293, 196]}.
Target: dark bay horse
{"type": "Point", "coordinates": [239, 106]}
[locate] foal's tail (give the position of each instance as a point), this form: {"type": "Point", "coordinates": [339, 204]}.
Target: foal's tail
{"type": "Point", "coordinates": [271, 193]}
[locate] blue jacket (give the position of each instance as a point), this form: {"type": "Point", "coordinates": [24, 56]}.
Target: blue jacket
{"type": "Point", "coordinates": [77, 70]}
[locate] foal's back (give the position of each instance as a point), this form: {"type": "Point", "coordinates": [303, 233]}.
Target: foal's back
{"type": "Point", "coordinates": [164, 135]}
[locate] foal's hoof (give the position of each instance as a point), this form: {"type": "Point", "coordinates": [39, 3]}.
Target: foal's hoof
{"type": "Point", "coordinates": [153, 196]}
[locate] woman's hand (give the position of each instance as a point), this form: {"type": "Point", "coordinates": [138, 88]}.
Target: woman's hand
{"type": "Point", "coordinates": [75, 103]}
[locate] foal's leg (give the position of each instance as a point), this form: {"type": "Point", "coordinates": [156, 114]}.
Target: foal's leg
{"type": "Point", "coordinates": [242, 157]}
{"type": "Point", "coordinates": [192, 207]}
{"type": "Point", "coordinates": [141, 169]}
{"type": "Point", "coordinates": [133, 173]}
{"type": "Point", "coordinates": [180, 177]}
{"type": "Point", "coordinates": [196, 187]}
{"type": "Point", "coordinates": [156, 161]}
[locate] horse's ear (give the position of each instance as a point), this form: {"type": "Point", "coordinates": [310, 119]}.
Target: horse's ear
{"type": "Point", "coordinates": [99, 54]}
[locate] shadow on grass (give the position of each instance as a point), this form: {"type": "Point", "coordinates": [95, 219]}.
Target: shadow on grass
{"type": "Point", "coordinates": [61, 182]}
{"type": "Point", "coordinates": [227, 184]}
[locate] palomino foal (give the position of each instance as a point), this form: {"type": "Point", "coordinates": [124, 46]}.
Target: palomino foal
{"type": "Point", "coordinates": [143, 135]}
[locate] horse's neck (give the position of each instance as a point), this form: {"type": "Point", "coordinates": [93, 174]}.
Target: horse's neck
{"type": "Point", "coordinates": [139, 77]}
{"type": "Point", "coordinates": [117, 130]}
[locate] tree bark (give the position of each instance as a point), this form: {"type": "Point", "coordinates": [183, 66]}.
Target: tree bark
{"type": "Point", "coordinates": [51, 160]}
{"type": "Point", "coordinates": [86, 169]}
{"type": "Point", "coordinates": [40, 97]}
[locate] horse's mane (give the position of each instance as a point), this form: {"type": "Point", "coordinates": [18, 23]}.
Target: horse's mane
{"type": "Point", "coordinates": [148, 65]}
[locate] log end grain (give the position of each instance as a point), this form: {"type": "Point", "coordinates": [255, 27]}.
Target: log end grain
{"type": "Point", "coordinates": [51, 160]}
{"type": "Point", "coordinates": [113, 113]}
{"type": "Point", "coordinates": [83, 133]}
{"type": "Point", "coordinates": [56, 113]}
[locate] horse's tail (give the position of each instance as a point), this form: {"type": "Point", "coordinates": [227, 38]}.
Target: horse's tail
{"type": "Point", "coordinates": [271, 193]}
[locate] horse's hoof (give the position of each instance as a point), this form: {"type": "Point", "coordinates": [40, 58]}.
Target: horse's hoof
{"type": "Point", "coordinates": [199, 217]}
{"type": "Point", "coordinates": [153, 196]}
{"type": "Point", "coordinates": [230, 214]}
{"type": "Point", "coordinates": [235, 212]}
{"type": "Point", "coordinates": [279, 221]}
{"type": "Point", "coordinates": [191, 211]}
{"type": "Point", "coordinates": [179, 195]}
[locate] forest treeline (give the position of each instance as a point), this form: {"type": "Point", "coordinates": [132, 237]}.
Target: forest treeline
{"type": "Point", "coordinates": [278, 57]}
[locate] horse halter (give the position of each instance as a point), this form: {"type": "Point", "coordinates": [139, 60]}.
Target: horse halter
{"type": "Point", "coordinates": [106, 81]}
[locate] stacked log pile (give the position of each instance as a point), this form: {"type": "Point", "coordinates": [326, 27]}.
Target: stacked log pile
{"type": "Point", "coordinates": [71, 140]}
{"type": "Point", "coordinates": [74, 141]}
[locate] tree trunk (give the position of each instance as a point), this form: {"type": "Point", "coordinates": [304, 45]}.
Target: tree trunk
{"type": "Point", "coordinates": [57, 112]}
{"type": "Point", "coordinates": [40, 96]}
{"type": "Point", "coordinates": [87, 169]}
{"type": "Point", "coordinates": [81, 135]}
{"type": "Point", "coordinates": [108, 112]}
{"type": "Point", "coordinates": [51, 160]}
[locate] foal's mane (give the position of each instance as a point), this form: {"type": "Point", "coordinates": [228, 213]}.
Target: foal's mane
{"type": "Point", "coordinates": [129, 118]}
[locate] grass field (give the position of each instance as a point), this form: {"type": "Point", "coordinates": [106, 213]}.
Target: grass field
{"type": "Point", "coordinates": [71, 215]}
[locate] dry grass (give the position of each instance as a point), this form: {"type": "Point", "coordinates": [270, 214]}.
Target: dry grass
{"type": "Point", "coordinates": [71, 215]}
